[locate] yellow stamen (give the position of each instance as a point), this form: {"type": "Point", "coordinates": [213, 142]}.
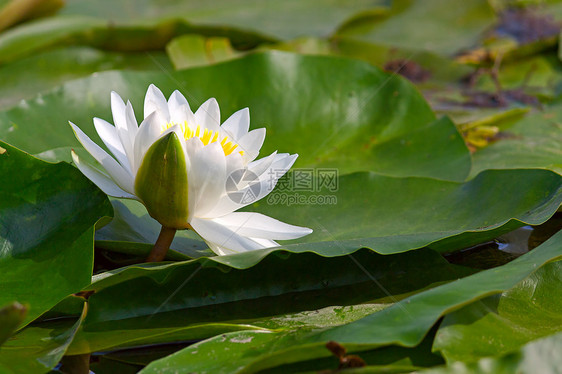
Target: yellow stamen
{"type": "Point", "coordinates": [207, 137]}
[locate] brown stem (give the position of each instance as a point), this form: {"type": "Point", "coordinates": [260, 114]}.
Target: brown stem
{"type": "Point", "coordinates": [162, 244]}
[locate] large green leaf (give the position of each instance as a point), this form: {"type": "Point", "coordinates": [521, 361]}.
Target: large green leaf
{"type": "Point", "coordinates": [493, 203]}
{"type": "Point", "coordinates": [201, 298]}
{"type": "Point", "coordinates": [443, 26]}
{"type": "Point", "coordinates": [539, 356]}
{"type": "Point", "coordinates": [46, 230]}
{"type": "Point", "coordinates": [38, 348]}
{"type": "Point", "coordinates": [24, 78]}
{"type": "Point", "coordinates": [404, 323]}
{"type": "Point", "coordinates": [350, 119]}
{"type": "Point", "coordinates": [502, 323]}
{"type": "Point", "coordinates": [396, 214]}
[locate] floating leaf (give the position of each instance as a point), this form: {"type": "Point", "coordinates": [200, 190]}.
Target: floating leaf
{"type": "Point", "coordinates": [404, 323]}
{"type": "Point", "coordinates": [201, 298]}
{"type": "Point", "coordinates": [38, 348]}
{"type": "Point", "coordinates": [503, 323]}
{"type": "Point", "coordinates": [351, 125]}
{"type": "Point", "coordinates": [24, 78]}
{"type": "Point", "coordinates": [46, 230]}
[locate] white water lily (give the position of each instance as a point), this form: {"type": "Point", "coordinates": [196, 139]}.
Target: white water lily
{"type": "Point", "coordinates": [190, 171]}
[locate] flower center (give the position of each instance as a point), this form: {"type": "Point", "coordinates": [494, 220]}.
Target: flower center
{"type": "Point", "coordinates": [207, 137]}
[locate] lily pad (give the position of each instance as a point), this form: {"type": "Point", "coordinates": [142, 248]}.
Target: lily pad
{"type": "Point", "coordinates": [38, 348]}
{"type": "Point", "coordinates": [405, 323]}
{"type": "Point", "coordinates": [348, 119]}
{"type": "Point", "coordinates": [46, 229]}
{"type": "Point", "coordinates": [200, 298]}
{"type": "Point", "coordinates": [24, 78]}
{"type": "Point", "coordinates": [503, 323]}
{"type": "Point", "coordinates": [481, 213]}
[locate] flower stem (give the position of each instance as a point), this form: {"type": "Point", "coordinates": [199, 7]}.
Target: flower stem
{"type": "Point", "coordinates": [162, 244]}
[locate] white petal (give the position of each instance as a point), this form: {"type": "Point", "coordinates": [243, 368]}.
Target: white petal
{"type": "Point", "coordinates": [266, 243]}
{"type": "Point", "coordinates": [149, 131]}
{"type": "Point", "coordinates": [108, 133]}
{"type": "Point", "coordinates": [280, 166]}
{"type": "Point", "coordinates": [101, 180]}
{"type": "Point", "coordinates": [181, 115]}
{"type": "Point", "coordinates": [132, 124]}
{"type": "Point", "coordinates": [193, 145]}
{"type": "Point", "coordinates": [263, 164]}
{"type": "Point", "coordinates": [257, 225]}
{"type": "Point", "coordinates": [221, 251]}
{"type": "Point", "coordinates": [155, 100]}
{"type": "Point", "coordinates": [251, 144]}
{"type": "Point", "coordinates": [125, 124]}
{"type": "Point", "coordinates": [208, 115]}
{"type": "Point", "coordinates": [128, 138]}
{"type": "Point", "coordinates": [120, 175]}
{"type": "Point", "coordinates": [266, 173]}
{"type": "Point", "coordinates": [223, 239]}
{"type": "Point", "coordinates": [233, 162]}
{"type": "Point", "coordinates": [206, 179]}
{"type": "Point", "coordinates": [118, 111]}
{"type": "Point", "coordinates": [179, 109]}
{"type": "Point", "coordinates": [238, 124]}
{"type": "Point", "coordinates": [177, 100]}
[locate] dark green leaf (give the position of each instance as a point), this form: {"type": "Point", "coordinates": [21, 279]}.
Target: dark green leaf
{"type": "Point", "coordinates": [201, 298]}
{"type": "Point", "coordinates": [404, 323]}
{"type": "Point", "coordinates": [46, 230]}
{"type": "Point", "coordinates": [38, 348]}
{"type": "Point", "coordinates": [503, 323]}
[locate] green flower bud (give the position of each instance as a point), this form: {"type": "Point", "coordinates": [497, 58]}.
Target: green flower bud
{"type": "Point", "coordinates": [161, 182]}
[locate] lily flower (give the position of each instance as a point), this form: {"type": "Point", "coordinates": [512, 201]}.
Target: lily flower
{"type": "Point", "coordinates": [190, 171]}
